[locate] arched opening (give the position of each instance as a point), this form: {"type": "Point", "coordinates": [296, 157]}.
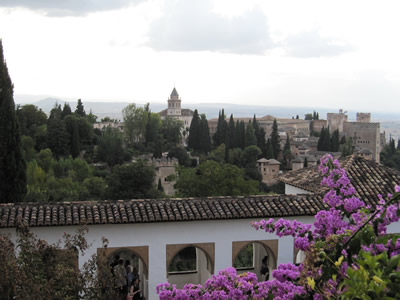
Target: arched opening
{"type": "Point", "coordinates": [256, 257]}
{"type": "Point", "coordinates": [137, 263]}
{"type": "Point", "coordinates": [190, 264]}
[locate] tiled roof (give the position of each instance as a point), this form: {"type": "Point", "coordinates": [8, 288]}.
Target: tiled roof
{"type": "Point", "coordinates": [158, 210]}
{"type": "Point", "coordinates": [368, 178]}
{"type": "Point", "coordinates": [174, 93]}
{"type": "Point", "coordinates": [184, 112]}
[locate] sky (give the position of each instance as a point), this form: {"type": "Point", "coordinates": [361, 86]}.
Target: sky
{"type": "Point", "coordinates": [334, 54]}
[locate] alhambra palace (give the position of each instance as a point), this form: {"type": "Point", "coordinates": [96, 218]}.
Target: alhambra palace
{"type": "Point", "coordinates": [153, 232]}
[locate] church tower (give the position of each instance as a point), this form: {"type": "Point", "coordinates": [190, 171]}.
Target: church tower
{"type": "Point", "coordinates": [174, 104]}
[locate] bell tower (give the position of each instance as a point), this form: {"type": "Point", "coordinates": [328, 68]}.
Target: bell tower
{"type": "Point", "coordinates": [174, 104]}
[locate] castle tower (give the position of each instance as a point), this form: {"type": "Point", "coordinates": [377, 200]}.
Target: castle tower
{"type": "Point", "coordinates": [174, 104]}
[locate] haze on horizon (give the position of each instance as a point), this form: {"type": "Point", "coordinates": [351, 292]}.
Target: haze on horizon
{"type": "Point", "coordinates": [341, 54]}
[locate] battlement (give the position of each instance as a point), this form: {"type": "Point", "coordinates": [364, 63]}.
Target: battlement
{"type": "Point", "coordinates": [363, 117]}
{"type": "Point", "coordinates": [164, 162]}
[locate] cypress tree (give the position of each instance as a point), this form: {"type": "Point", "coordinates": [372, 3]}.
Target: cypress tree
{"type": "Point", "coordinates": [305, 162]}
{"type": "Point", "coordinates": [157, 148]}
{"type": "Point", "coordinates": [222, 127]}
{"type": "Point", "coordinates": [57, 134]}
{"type": "Point", "coordinates": [194, 132]}
{"type": "Point", "coordinates": [66, 110]}
{"type": "Point", "coordinates": [159, 186]}
{"type": "Point", "coordinates": [250, 138]}
{"type": "Point", "coordinates": [321, 139]}
{"type": "Point", "coordinates": [204, 138]}
{"type": "Point", "coordinates": [80, 110]}
{"type": "Point", "coordinates": [231, 133]}
{"type": "Point", "coordinates": [334, 145]}
{"type": "Point", "coordinates": [276, 148]}
{"type": "Point", "coordinates": [75, 143]}
{"type": "Point", "coordinates": [261, 142]}
{"type": "Point", "coordinates": [241, 136]}
{"type": "Point", "coordinates": [12, 164]}
{"type": "Point", "coordinates": [270, 151]}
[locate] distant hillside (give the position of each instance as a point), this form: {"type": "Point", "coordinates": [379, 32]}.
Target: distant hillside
{"type": "Point", "coordinates": [390, 122]}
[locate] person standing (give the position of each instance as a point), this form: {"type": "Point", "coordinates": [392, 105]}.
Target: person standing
{"type": "Point", "coordinates": [120, 277]}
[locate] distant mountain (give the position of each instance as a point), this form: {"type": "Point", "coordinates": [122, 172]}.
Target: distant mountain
{"type": "Point", "coordinates": [114, 109]}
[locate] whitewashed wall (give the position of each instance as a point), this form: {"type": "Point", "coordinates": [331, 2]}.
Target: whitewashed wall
{"type": "Point", "coordinates": [292, 190]}
{"type": "Point", "coordinates": [158, 235]}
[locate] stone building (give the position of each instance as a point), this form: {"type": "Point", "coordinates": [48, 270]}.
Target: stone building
{"type": "Point", "coordinates": [285, 126]}
{"type": "Point", "coordinates": [336, 120]}
{"type": "Point", "coordinates": [365, 134]}
{"type": "Point", "coordinates": [165, 169]}
{"type": "Point", "coordinates": [176, 111]}
{"type": "Point", "coordinates": [269, 170]}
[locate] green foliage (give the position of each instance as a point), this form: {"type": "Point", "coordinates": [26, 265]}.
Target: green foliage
{"type": "Point", "coordinates": [211, 178]}
{"type": "Point", "coordinates": [110, 148]}
{"type": "Point", "coordinates": [220, 135]}
{"type": "Point", "coordinates": [250, 137]}
{"type": "Point", "coordinates": [12, 164]}
{"type": "Point", "coordinates": [180, 154]}
{"type": "Point", "coordinates": [390, 155]}
{"type": "Point", "coordinates": [28, 148]}
{"type": "Point", "coordinates": [346, 147]}
{"type": "Point", "coordinates": [135, 121]}
{"type": "Point", "coordinates": [275, 142]}
{"type": "Point", "coordinates": [30, 117]}
{"type": "Point", "coordinates": [80, 110]}
{"type": "Point", "coordinates": [50, 271]}
{"type": "Point", "coordinates": [245, 257]}
{"type": "Point", "coordinates": [170, 133]}
{"type": "Point", "coordinates": [57, 134]}
{"type": "Point", "coordinates": [376, 277]}
{"type": "Point", "coordinates": [194, 132]}
{"type": "Point", "coordinates": [324, 141]}
{"type": "Point", "coordinates": [132, 181]}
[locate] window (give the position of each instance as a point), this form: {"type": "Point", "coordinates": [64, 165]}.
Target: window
{"type": "Point", "coordinates": [245, 258]}
{"type": "Point", "coordinates": [184, 261]}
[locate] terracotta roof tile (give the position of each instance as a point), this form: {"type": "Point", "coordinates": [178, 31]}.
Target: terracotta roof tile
{"type": "Point", "coordinates": [368, 178]}
{"type": "Point", "coordinates": [158, 210]}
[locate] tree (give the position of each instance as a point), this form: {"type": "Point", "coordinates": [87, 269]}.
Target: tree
{"type": "Point", "coordinates": [75, 144]}
{"type": "Point", "coordinates": [30, 118]}
{"type": "Point", "coordinates": [205, 140]}
{"type": "Point", "coordinates": [135, 121]}
{"type": "Point", "coordinates": [152, 129]}
{"type": "Point", "coordinates": [12, 163]}
{"type": "Point", "coordinates": [275, 143]}
{"type": "Point", "coordinates": [66, 110]}
{"type": "Point", "coordinates": [269, 150]}
{"type": "Point", "coordinates": [132, 181]}
{"type": "Point", "coordinates": [57, 135]}
{"type": "Point", "coordinates": [335, 142]}
{"type": "Point", "coordinates": [250, 138]}
{"type": "Point", "coordinates": [287, 153]}
{"type": "Point", "coordinates": [213, 179]}
{"type": "Point", "coordinates": [80, 110]}
{"type": "Point", "coordinates": [194, 133]}
{"type": "Point", "coordinates": [221, 132]}
{"type": "Point", "coordinates": [110, 148]}
{"type": "Point", "coordinates": [181, 154]}
{"type": "Point", "coordinates": [157, 148]}
{"type": "Point", "coordinates": [324, 141]}
{"type": "Point", "coordinates": [170, 132]}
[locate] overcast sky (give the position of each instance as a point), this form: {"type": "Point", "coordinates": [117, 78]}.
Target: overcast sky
{"type": "Point", "coordinates": [338, 54]}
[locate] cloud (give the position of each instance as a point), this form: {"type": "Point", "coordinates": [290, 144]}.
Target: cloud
{"type": "Point", "coordinates": [312, 44]}
{"type": "Point", "coordinates": [68, 7]}
{"type": "Point", "coordinates": [192, 26]}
